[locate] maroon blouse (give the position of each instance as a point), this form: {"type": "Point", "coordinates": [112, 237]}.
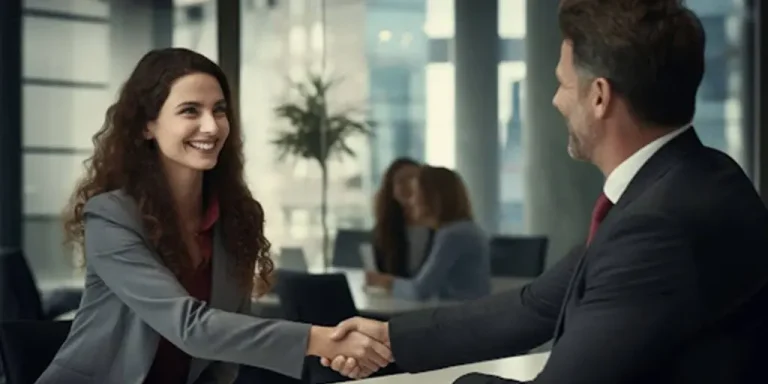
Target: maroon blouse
{"type": "Point", "coordinates": [171, 365]}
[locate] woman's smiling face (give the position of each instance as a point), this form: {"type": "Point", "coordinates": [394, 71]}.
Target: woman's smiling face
{"type": "Point", "coordinates": [192, 125]}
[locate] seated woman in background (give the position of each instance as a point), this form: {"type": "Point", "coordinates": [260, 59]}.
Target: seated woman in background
{"type": "Point", "coordinates": [400, 242]}
{"type": "Point", "coordinates": [172, 240]}
{"type": "Point", "coordinates": [458, 266]}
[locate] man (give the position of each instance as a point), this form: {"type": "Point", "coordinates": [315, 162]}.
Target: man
{"type": "Point", "coordinates": [671, 286]}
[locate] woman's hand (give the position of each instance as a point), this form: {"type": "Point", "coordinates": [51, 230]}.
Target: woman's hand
{"type": "Point", "coordinates": [377, 279]}
{"type": "Point", "coordinates": [369, 354]}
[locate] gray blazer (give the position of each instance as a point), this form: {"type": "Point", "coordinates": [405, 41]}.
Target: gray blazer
{"type": "Point", "coordinates": [458, 266]}
{"type": "Point", "coordinates": [131, 299]}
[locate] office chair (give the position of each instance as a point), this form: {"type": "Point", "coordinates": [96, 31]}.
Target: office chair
{"type": "Point", "coordinates": [518, 256]}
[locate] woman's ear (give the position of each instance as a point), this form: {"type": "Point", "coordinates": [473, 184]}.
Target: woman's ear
{"type": "Point", "coordinates": [149, 131]}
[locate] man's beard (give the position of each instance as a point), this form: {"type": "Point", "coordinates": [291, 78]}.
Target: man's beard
{"type": "Point", "coordinates": [580, 146]}
{"type": "Point", "coordinates": [575, 146]}
{"type": "Point", "coordinates": [580, 135]}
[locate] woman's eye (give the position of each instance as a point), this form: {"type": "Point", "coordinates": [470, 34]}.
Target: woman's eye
{"type": "Point", "coordinates": [189, 111]}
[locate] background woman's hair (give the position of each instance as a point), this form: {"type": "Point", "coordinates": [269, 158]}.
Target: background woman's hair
{"type": "Point", "coordinates": [444, 194]}
{"type": "Point", "coordinates": [124, 159]}
{"type": "Point", "coordinates": [389, 232]}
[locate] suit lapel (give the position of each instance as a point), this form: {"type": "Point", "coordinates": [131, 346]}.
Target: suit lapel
{"type": "Point", "coordinates": [656, 167]}
{"type": "Point", "coordinates": [578, 273]}
{"type": "Point", "coordinates": [224, 293]}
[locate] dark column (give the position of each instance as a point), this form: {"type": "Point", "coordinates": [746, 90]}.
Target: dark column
{"type": "Point", "coordinates": [10, 125]}
{"type": "Point", "coordinates": [476, 59]}
{"type": "Point", "coordinates": [135, 28]}
{"type": "Point", "coordinates": [559, 191]}
{"type": "Point", "coordinates": [228, 14]}
{"type": "Point", "coordinates": [748, 88]}
{"type": "Point", "coordinates": [162, 23]}
{"type": "Point", "coordinates": [760, 79]}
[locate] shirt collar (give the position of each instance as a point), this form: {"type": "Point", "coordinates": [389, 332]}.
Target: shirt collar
{"type": "Point", "coordinates": [618, 180]}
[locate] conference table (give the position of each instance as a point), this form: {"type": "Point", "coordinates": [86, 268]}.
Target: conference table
{"type": "Point", "coordinates": [372, 301]}
{"type": "Point", "coordinates": [369, 302]}
{"type": "Point", "coordinates": [522, 368]}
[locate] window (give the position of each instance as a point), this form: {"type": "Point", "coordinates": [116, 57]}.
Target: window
{"type": "Point", "coordinates": [96, 45]}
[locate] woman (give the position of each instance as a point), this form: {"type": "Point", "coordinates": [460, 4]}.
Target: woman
{"type": "Point", "coordinates": [171, 237]}
{"type": "Point", "coordinates": [400, 241]}
{"type": "Point", "coordinates": [458, 266]}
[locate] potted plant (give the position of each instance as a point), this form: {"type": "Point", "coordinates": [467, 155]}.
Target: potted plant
{"type": "Point", "coordinates": [316, 133]}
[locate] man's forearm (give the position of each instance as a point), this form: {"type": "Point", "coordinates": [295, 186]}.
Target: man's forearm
{"type": "Point", "coordinates": [497, 326]}
{"type": "Point", "coordinates": [494, 327]}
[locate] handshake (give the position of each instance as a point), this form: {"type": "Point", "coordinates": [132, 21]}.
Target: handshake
{"type": "Point", "coordinates": [356, 347]}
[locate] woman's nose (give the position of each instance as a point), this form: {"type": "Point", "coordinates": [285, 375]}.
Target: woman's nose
{"type": "Point", "coordinates": [209, 124]}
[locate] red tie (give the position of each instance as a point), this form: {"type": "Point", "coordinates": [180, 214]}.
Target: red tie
{"type": "Point", "coordinates": [602, 206]}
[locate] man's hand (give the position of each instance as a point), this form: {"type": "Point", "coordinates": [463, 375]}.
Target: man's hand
{"type": "Point", "coordinates": [368, 353]}
{"type": "Point", "coordinates": [348, 365]}
{"type": "Point", "coordinates": [373, 328]}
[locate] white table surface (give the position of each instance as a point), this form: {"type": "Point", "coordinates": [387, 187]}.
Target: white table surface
{"type": "Point", "coordinates": [522, 368]}
{"type": "Point", "coordinates": [370, 300]}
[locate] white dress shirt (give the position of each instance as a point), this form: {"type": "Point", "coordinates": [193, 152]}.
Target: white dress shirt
{"type": "Point", "coordinates": [619, 179]}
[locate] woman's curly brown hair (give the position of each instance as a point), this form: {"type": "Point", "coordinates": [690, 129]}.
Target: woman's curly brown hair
{"type": "Point", "coordinates": [124, 159]}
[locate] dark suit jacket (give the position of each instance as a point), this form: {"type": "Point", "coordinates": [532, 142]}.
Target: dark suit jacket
{"type": "Point", "coordinates": [671, 290]}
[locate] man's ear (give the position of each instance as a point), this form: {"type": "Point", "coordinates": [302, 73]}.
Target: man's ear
{"type": "Point", "coordinates": [602, 96]}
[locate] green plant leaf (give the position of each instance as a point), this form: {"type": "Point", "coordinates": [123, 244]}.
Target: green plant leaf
{"type": "Point", "coordinates": [311, 132]}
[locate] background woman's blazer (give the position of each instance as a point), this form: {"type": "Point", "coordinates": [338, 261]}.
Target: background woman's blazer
{"type": "Point", "coordinates": [131, 299]}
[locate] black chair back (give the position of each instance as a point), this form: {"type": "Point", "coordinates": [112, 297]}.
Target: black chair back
{"type": "Point", "coordinates": [28, 347]}
{"type": "Point", "coordinates": [346, 247]}
{"type": "Point", "coordinates": [293, 259]}
{"type": "Point", "coordinates": [518, 256]}
{"type": "Point", "coordinates": [19, 297]}
{"type": "Point", "coordinates": [315, 299]}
